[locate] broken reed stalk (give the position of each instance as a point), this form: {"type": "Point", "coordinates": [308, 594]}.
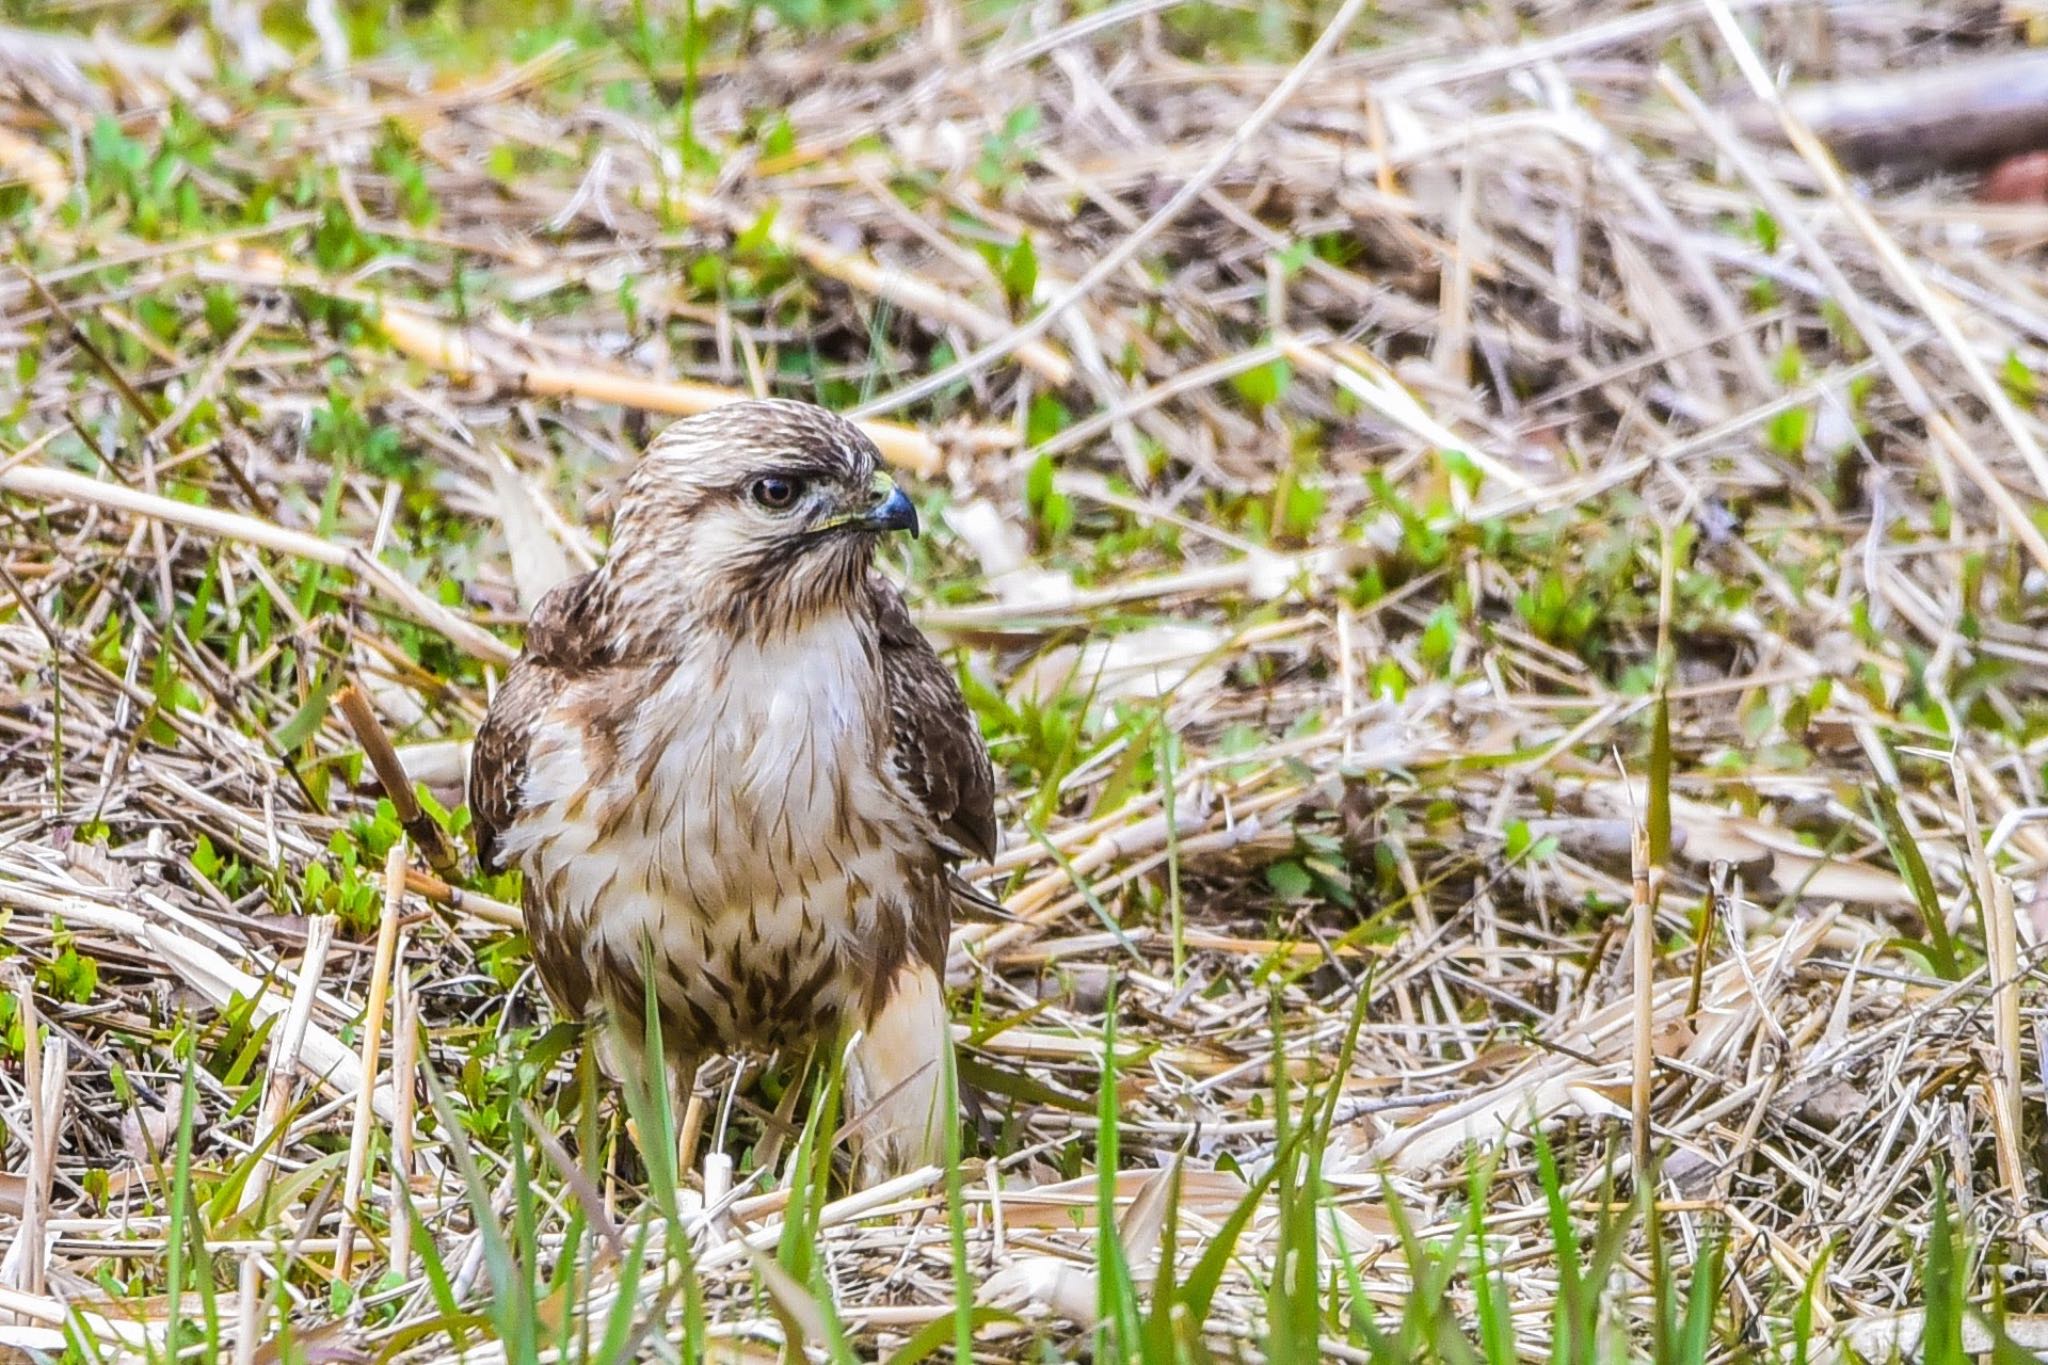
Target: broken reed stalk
{"type": "Point", "coordinates": [285, 1043]}
{"type": "Point", "coordinates": [471, 903]}
{"type": "Point", "coordinates": [248, 1308]}
{"type": "Point", "coordinates": [696, 1107]}
{"type": "Point", "coordinates": [420, 827]}
{"type": "Point", "coordinates": [373, 1041]}
{"type": "Point", "coordinates": [2001, 935]}
{"type": "Point", "coordinates": [45, 1068]}
{"type": "Point", "coordinates": [405, 1054]}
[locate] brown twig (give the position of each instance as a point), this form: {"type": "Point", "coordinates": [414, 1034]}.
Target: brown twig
{"type": "Point", "coordinates": [419, 826]}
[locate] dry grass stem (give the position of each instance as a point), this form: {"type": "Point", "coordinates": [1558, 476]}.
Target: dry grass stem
{"type": "Point", "coordinates": [372, 1026]}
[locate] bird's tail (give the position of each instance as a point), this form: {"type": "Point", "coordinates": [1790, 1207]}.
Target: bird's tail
{"type": "Point", "coordinates": [896, 1077]}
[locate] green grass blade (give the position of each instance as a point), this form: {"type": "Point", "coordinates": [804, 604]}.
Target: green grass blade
{"type": "Point", "coordinates": [936, 1335]}
{"type": "Point", "coordinates": [1943, 1285]}
{"type": "Point", "coordinates": [512, 1309]}
{"type": "Point", "coordinates": [1157, 1344]}
{"type": "Point", "coordinates": [1564, 1244]}
{"type": "Point", "coordinates": [1906, 856]}
{"type": "Point", "coordinates": [1695, 1337]}
{"type": "Point", "coordinates": [1116, 1295]}
{"type": "Point", "coordinates": [1198, 1291]}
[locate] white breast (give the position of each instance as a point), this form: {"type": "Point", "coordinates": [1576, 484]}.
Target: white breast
{"type": "Point", "coordinates": [745, 830]}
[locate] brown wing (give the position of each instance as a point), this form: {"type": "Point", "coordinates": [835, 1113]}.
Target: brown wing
{"type": "Point", "coordinates": [497, 761]}
{"type": "Point", "coordinates": [568, 635]}
{"type": "Point", "coordinates": [936, 747]}
{"type": "Point", "coordinates": [561, 634]}
{"type": "Point", "coordinates": [497, 781]}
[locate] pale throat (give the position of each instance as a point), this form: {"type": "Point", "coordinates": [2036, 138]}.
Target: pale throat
{"type": "Point", "coordinates": [770, 727]}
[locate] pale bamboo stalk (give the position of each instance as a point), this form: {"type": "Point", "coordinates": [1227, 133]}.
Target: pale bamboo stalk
{"type": "Point", "coordinates": [43, 1074]}
{"type": "Point", "coordinates": [450, 350]}
{"type": "Point", "coordinates": [37, 481]}
{"type": "Point", "coordinates": [405, 1052]}
{"type": "Point", "coordinates": [373, 1042]}
{"type": "Point", "coordinates": [248, 1309]}
{"type": "Point", "coordinates": [463, 902]}
{"type": "Point", "coordinates": [56, 1075]}
{"type": "Point", "coordinates": [717, 1186]}
{"type": "Point", "coordinates": [29, 1237]}
{"type": "Point", "coordinates": [2002, 942]}
{"type": "Point", "coordinates": [285, 1045]}
{"type": "Point", "coordinates": [54, 1313]}
{"type": "Point", "coordinates": [695, 1109]}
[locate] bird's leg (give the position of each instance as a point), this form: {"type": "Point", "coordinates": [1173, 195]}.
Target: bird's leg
{"type": "Point", "coordinates": [896, 1077]}
{"type": "Point", "coordinates": [687, 1112]}
{"type": "Point", "coordinates": [693, 1108]}
{"type": "Point", "coordinates": [626, 1058]}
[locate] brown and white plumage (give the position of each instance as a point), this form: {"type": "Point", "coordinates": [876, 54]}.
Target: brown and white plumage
{"type": "Point", "coordinates": [731, 748]}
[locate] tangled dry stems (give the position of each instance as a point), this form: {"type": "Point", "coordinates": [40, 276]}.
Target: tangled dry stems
{"type": "Point", "coordinates": [1507, 401]}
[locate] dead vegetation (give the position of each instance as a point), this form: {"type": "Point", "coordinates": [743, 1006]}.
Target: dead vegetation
{"type": "Point", "coordinates": [1506, 590]}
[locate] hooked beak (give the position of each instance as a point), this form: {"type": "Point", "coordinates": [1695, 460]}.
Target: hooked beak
{"type": "Point", "coordinates": [889, 508]}
{"type": "Point", "coordinates": [894, 513]}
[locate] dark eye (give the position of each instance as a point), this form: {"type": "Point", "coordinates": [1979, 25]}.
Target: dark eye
{"type": "Point", "coordinates": [777, 492]}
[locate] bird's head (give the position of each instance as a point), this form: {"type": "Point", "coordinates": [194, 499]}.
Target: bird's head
{"type": "Point", "coordinates": [754, 516]}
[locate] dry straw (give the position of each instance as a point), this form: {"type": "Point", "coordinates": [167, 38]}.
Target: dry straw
{"type": "Point", "coordinates": [1429, 414]}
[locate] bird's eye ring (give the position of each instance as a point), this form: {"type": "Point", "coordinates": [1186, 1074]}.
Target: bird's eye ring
{"type": "Point", "coordinates": [777, 493]}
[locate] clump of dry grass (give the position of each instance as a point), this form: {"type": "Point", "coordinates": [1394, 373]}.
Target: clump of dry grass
{"type": "Point", "coordinates": [1506, 599]}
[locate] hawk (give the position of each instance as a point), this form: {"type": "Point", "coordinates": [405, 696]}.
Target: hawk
{"type": "Point", "coordinates": [729, 752]}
